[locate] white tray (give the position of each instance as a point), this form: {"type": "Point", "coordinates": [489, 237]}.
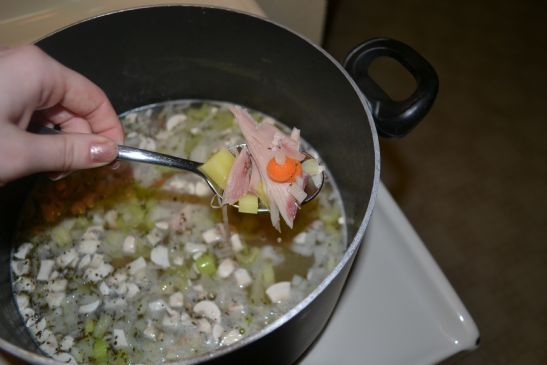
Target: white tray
{"type": "Point", "coordinates": [397, 306]}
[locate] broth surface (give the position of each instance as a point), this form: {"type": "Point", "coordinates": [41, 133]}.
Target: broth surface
{"type": "Point", "coordinates": [133, 265]}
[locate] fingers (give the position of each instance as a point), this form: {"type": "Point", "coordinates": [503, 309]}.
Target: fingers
{"type": "Point", "coordinates": [87, 101]}
{"type": "Point", "coordinates": [30, 80]}
{"type": "Point", "coordinates": [68, 152]}
{"type": "Point", "coordinates": [37, 81]}
{"type": "Point", "coordinates": [23, 153]}
{"type": "Point", "coordinates": [68, 121]}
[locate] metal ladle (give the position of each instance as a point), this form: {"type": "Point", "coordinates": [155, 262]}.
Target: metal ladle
{"type": "Point", "coordinates": [133, 154]}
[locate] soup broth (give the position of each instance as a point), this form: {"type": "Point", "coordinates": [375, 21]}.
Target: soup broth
{"type": "Point", "coordinates": [134, 265]}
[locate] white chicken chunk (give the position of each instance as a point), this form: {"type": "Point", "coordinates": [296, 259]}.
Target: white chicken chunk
{"type": "Point", "coordinates": [88, 246]}
{"type": "Point", "coordinates": [279, 292]}
{"type": "Point", "coordinates": [212, 235]}
{"type": "Point", "coordinates": [160, 256]}
{"type": "Point", "coordinates": [208, 309]}
{"type": "Point", "coordinates": [243, 278]}
{"type": "Point", "coordinates": [235, 240]}
{"type": "Point", "coordinates": [46, 266]}
{"type": "Point", "coordinates": [176, 300]}
{"type": "Point", "coordinates": [23, 251]}
{"type": "Point", "coordinates": [136, 265]}
{"type": "Point", "coordinates": [20, 267]}
{"type": "Point", "coordinates": [119, 339]}
{"type": "Point", "coordinates": [225, 268]}
{"type": "Point", "coordinates": [129, 245]}
{"type": "Point", "coordinates": [67, 258]}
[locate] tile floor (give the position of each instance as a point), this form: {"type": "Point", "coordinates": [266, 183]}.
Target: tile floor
{"type": "Point", "coordinates": [472, 177]}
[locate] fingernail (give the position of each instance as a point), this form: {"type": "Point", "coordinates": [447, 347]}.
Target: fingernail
{"type": "Point", "coordinates": [115, 165]}
{"type": "Point", "coordinates": [103, 152]}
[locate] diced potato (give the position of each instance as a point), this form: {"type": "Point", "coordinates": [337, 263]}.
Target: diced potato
{"type": "Point", "coordinates": [310, 166]}
{"type": "Point", "coordinates": [248, 203]}
{"type": "Point", "coordinates": [218, 167]}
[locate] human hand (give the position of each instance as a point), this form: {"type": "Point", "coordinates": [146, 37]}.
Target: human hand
{"type": "Point", "coordinates": [34, 88]}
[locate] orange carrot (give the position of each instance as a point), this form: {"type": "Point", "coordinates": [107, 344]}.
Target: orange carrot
{"type": "Point", "coordinates": [285, 172]}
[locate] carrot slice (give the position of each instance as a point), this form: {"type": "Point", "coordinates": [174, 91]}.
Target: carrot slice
{"type": "Point", "coordinates": [285, 172]}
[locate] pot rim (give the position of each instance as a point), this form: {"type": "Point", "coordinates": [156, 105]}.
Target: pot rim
{"type": "Point", "coordinates": [350, 250]}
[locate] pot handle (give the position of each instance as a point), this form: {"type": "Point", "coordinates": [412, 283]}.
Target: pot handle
{"type": "Point", "coordinates": [393, 118]}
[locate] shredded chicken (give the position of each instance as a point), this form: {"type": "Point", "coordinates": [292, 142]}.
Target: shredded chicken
{"type": "Point", "coordinates": [264, 141]}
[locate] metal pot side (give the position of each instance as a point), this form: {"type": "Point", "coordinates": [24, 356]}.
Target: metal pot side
{"type": "Point", "coordinates": [155, 54]}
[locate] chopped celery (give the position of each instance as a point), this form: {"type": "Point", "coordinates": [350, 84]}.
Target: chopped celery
{"type": "Point", "coordinates": [132, 214]}
{"type": "Point", "coordinates": [61, 235]}
{"type": "Point", "coordinates": [198, 112]}
{"type": "Point", "coordinates": [264, 279]}
{"type": "Point", "coordinates": [168, 282]}
{"type": "Point", "coordinates": [174, 278]}
{"type": "Point", "coordinates": [247, 256]}
{"type": "Point", "coordinates": [102, 325]}
{"type": "Point", "coordinates": [77, 354]}
{"type": "Point", "coordinates": [100, 350]}
{"type": "Point", "coordinates": [329, 215]}
{"type": "Point", "coordinates": [332, 227]}
{"type": "Point", "coordinates": [114, 243]}
{"type": "Point", "coordinates": [218, 167]}
{"type": "Point", "coordinates": [249, 319]}
{"type": "Point", "coordinates": [257, 292]}
{"type": "Point", "coordinates": [166, 286]}
{"type": "Point", "coordinates": [89, 326]}
{"type": "Point", "coordinates": [192, 140]}
{"type": "Point", "coordinates": [81, 222]}
{"type": "Point", "coordinates": [120, 358]}
{"type": "Point", "coordinates": [331, 263]}
{"type": "Point", "coordinates": [256, 115]}
{"type": "Point", "coordinates": [248, 203]}
{"type": "Point", "coordinates": [206, 264]}
{"type": "Point", "coordinates": [267, 274]}
{"type": "Point", "coordinates": [82, 349]}
{"type": "Point", "coordinates": [180, 280]}
{"type": "Point", "coordinates": [223, 119]}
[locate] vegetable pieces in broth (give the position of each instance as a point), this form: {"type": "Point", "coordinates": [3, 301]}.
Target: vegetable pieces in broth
{"type": "Point", "coordinates": [134, 266]}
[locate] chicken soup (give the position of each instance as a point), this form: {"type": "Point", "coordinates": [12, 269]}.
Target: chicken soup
{"type": "Point", "coordinates": [134, 265]}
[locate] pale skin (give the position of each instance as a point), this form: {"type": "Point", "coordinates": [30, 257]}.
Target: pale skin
{"type": "Point", "coordinates": [34, 88]}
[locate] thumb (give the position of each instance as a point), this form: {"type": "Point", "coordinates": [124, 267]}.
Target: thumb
{"type": "Point", "coordinates": [67, 152]}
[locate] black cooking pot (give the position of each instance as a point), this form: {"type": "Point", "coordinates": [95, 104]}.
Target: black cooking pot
{"type": "Point", "coordinates": [154, 54]}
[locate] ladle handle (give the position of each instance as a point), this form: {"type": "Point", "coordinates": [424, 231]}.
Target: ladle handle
{"type": "Point", "coordinates": [138, 155]}
{"type": "Point", "coordinates": [393, 118]}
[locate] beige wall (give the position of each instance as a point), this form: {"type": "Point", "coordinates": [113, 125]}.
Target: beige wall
{"type": "Point", "coordinates": [304, 16]}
